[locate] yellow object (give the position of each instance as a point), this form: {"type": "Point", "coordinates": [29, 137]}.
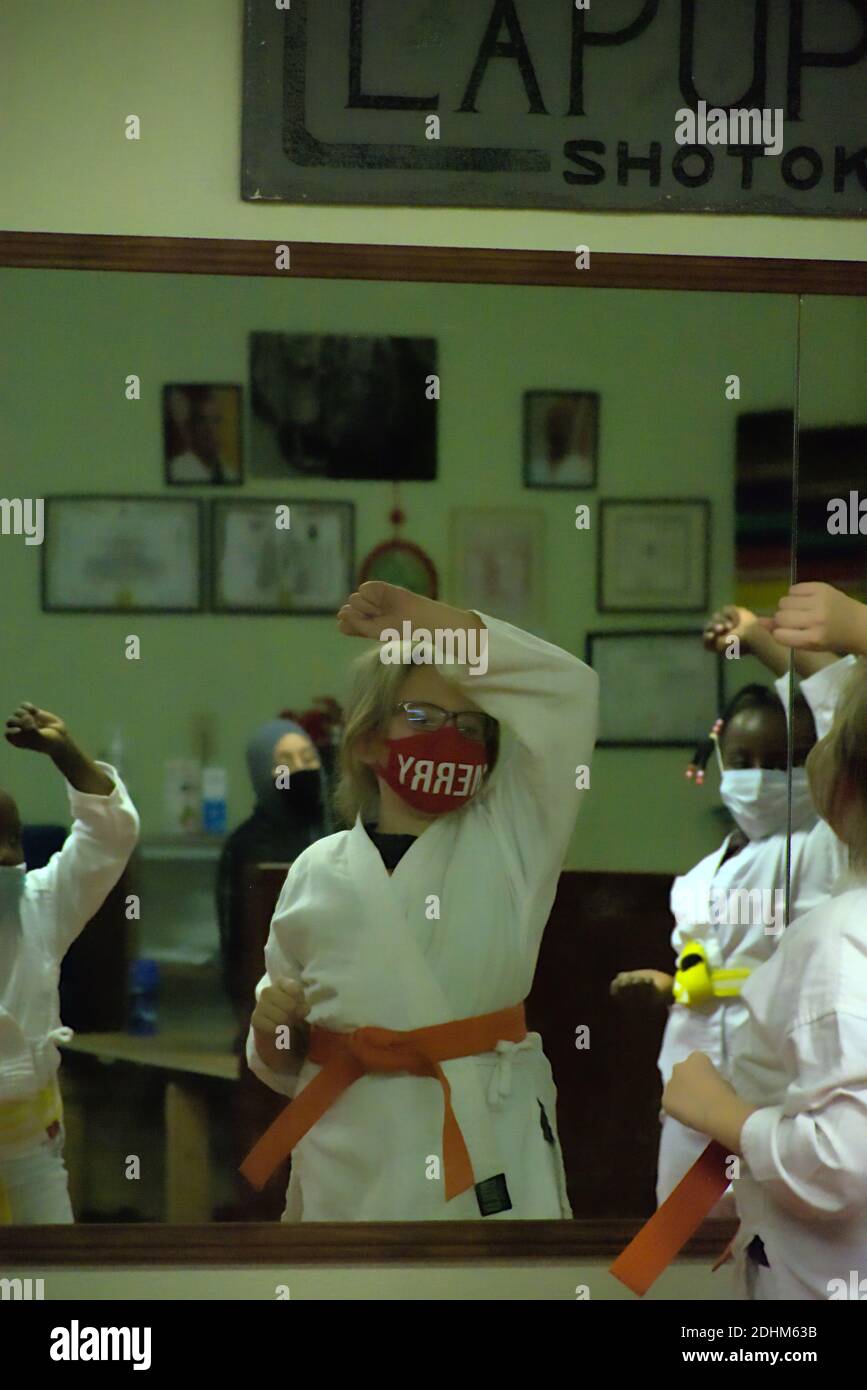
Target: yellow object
{"type": "Point", "coordinates": [696, 983]}
{"type": "Point", "coordinates": [25, 1121]}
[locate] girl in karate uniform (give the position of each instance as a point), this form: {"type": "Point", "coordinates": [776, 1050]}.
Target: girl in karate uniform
{"type": "Point", "coordinates": [728, 909]}
{"type": "Point", "coordinates": [427, 914]}
{"type": "Point", "coordinates": [41, 914]}
{"type": "Point", "coordinates": [795, 1108]}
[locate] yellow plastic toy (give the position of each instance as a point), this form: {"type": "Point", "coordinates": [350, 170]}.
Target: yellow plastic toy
{"type": "Point", "coordinates": [695, 983]}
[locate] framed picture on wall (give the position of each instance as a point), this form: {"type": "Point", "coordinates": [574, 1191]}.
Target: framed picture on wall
{"type": "Point", "coordinates": [680, 685]}
{"type": "Point", "coordinates": [202, 435]}
{"type": "Point", "coordinates": [122, 555]}
{"type": "Point", "coordinates": [281, 556]}
{"type": "Point", "coordinates": [653, 556]}
{"type": "Point", "coordinates": [561, 438]}
{"type": "Point", "coordinates": [496, 562]}
{"type": "Point", "coordinates": [351, 407]}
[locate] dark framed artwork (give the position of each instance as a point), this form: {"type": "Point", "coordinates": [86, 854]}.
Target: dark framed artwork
{"type": "Point", "coordinates": [202, 434]}
{"type": "Point", "coordinates": [355, 408]}
{"type": "Point", "coordinates": [281, 556]}
{"type": "Point", "coordinates": [122, 555]}
{"type": "Point", "coordinates": [653, 555]}
{"type": "Point", "coordinates": [561, 439]}
{"type": "Point", "coordinates": [401, 562]}
{"type": "Point", "coordinates": [832, 463]}
{"type": "Point", "coordinates": [680, 685]}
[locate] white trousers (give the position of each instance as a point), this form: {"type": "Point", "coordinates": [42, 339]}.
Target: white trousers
{"type": "Point", "coordinates": [36, 1186]}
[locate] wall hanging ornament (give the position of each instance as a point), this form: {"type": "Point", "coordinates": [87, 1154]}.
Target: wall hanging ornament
{"type": "Point", "coordinates": [399, 561]}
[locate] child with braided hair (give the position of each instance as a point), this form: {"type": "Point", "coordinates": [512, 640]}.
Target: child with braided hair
{"type": "Point", "coordinates": [729, 908]}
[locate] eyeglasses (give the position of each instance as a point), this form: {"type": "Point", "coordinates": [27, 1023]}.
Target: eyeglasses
{"type": "Point", "coordinates": [479, 727]}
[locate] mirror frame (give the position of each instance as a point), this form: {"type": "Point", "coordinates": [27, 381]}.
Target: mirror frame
{"type": "Point", "coordinates": [428, 1242]}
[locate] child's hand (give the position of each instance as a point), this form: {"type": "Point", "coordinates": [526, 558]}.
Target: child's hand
{"type": "Point", "coordinates": [654, 984]}
{"type": "Point", "coordinates": [37, 729]}
{"type": "Point", "coordinates": [279, 1006]}
{"type": "Point", "coordinates": [374, 606]}
{"type": "Point", "coordinates": [694, 1092]}
{"type": "Point", "coordinates": [732, 621]}
{"type": "Point", "coordinates": [819, 618]}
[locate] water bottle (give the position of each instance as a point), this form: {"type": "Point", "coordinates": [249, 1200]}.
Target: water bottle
{"type": "Point", "coordinates": [144, 979]}
{"type": "Point", "coordinates": [215, 784]}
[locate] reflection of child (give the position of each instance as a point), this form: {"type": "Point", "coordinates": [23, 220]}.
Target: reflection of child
{"type": "Point", "coordinates": [728, 908]}
{"type": "Point", "coordinates": [428, 915]}
{"type": "Point", "coordinates": [796, 1108]}
{"type": "Point", "coordinates": [41, 914]}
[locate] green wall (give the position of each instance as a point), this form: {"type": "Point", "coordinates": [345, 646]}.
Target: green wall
{"type": "Point", "coordinates": [658, 360]}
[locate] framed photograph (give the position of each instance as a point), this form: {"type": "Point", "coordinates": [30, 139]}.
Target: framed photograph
{"type": "Point", "coordinates": [680, 685]}
{"type": "Point", "coordinates": [202, 435]}
{"type": "Point", "coordinates": [122, 555]}
{"type": "Point", "coordinates": [496, 562]}
{"type": "Point", "coordinates": [280, 556]}
{"type": "Point", "coordinates": [653, 556]}
{"type": "Point", "coordinates": [561, 438]}
{"type": "Point", "coordinates": [355, 408]}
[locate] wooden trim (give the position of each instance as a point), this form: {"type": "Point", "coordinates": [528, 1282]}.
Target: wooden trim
{"type": "Point", "coordinates": [417, 1242]}
{"type": "Point", "coordinates": [341, 261]}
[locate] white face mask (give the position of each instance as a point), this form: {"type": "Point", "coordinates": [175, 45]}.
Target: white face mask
{"type": "Point", "coordinates": [757, 798]}
{"type": "Point", "coordinates": [11, 891]}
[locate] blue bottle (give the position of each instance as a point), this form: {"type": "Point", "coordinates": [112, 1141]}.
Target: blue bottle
{"type": "Point", "coordinates": [144, 979]}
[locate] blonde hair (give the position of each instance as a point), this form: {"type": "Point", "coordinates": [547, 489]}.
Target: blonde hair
{"type": "Point", "coordinates": [374, 691]}
{"type": "Point", "coordinates": [837, 769]}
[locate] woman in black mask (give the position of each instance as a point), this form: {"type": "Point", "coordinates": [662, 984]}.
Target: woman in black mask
{"type": "Point", "coordinates": [290, 812]}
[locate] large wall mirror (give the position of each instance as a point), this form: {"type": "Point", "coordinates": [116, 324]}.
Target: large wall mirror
{"type": "Point", "coordinates": [601, 467]}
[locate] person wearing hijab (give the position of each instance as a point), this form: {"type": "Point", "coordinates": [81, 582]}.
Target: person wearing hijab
{"type": "Point", "coordinates": [290, 813]}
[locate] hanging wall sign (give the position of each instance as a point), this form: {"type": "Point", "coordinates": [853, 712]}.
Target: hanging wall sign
{"type": "Point", "coordinates": [656, 105]}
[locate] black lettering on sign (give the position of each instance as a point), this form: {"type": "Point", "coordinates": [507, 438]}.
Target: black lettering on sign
{"type": "Point", "coordinates": [626, 161]}
{"type": "Point", "coordinates": [596, 171]}
{"type": "Point", "coordinates": [493, 47]}
{"type": "Point", "coordinates": [800, 58]}
{"type": "Point", "coordinates": [582, 38]}
{"type": "Point", "coordinates": [363, 100]}
{"type": "Point", "coordinates": [755, 95]}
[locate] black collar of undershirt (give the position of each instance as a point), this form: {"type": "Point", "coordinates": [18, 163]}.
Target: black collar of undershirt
{"type": "Point", "coordinates": [392, 848]}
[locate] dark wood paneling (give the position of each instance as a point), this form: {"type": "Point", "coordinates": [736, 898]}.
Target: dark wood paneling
{"type": "Point", "coordinates": [310, 1242]}
{"type": "Point", "coordinates": [341, 261]}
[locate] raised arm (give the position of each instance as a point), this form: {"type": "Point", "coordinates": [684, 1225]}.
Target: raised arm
{"type": "Point", "coordinates": [757, 637]}
{"type": "Point", "coordinates": [104, 830]}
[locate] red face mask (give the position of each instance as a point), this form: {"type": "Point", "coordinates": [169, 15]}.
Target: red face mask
{"type": "Point", "coordinates": [435, 772]}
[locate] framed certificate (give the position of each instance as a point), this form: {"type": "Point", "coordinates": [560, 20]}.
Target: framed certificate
{"type": "Point", "coordinates": [654, 556]}
{"type": "Point", "coordinates": [280, 556]}
{"type": "Point", "coordinates": [122, 555]}
{"type": "Point", "coordinates": [659, 689]}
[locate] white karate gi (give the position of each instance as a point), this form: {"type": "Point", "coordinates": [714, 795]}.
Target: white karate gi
{"type": "Point", "coordinates": [369, 954]}
{"type": "Point", "coordinates": [818, 862]}
{"type": "Point", "coordinates": [802, 1056]}
{"type": "Point", "coordinates": [57, 903]}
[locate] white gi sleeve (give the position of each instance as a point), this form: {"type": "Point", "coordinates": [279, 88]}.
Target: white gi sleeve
{"type": "Point", "coordinates": [811, 1151]}
{"type": "Point", "coordinates": [80, 876]}
{"type": "Point", "coordinates": [546, 702]}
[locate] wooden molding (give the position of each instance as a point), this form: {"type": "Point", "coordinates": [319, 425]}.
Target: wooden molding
{"type": "Point", "coordinates": [342, 261]}
{"type": "Point", "coordinates": [415, 1242]}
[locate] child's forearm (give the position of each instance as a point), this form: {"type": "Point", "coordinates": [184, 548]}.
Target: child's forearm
{"type": "Point", "coordinates": [768, 650]}
{"type": "Point", "coordinates": [727, 1119]}
{"type": "Point", "coordinates": [80, 771]}
{"type": "Point", "coordinates": [431, 614]}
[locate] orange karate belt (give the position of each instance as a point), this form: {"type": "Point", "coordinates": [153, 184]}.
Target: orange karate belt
{"type": "Point", "coordinates": [665, 1234]}
{"type": "Point", "coordinates": [345, 1057]}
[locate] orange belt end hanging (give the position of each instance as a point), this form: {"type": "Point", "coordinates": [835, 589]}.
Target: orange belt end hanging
{"type": "Point", "coordinates": [662, 1238]}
